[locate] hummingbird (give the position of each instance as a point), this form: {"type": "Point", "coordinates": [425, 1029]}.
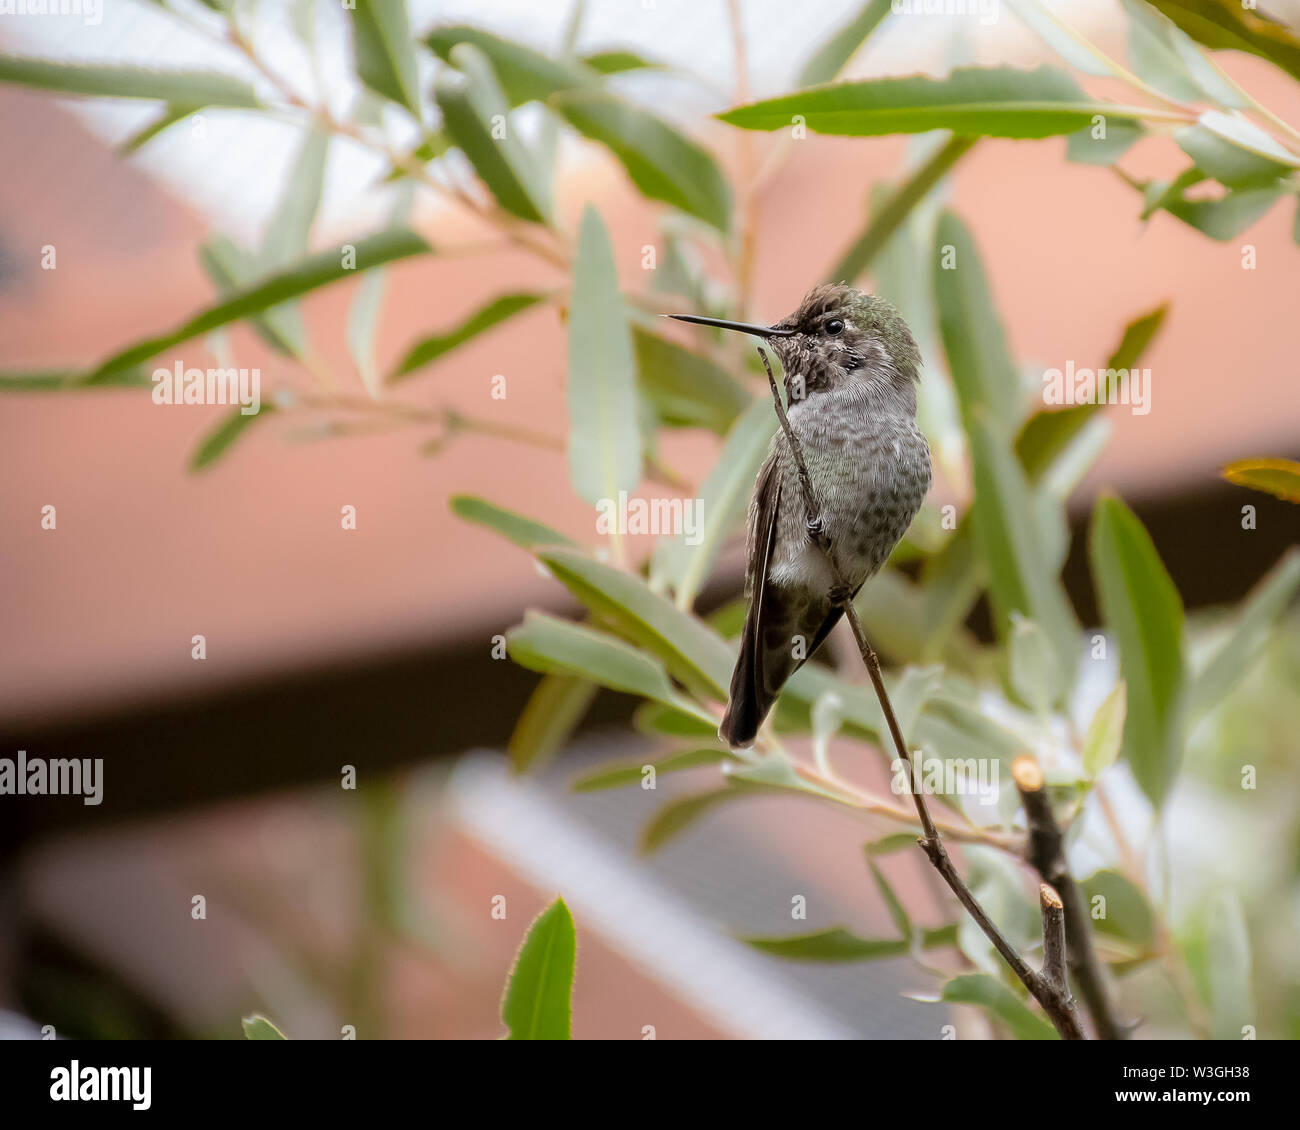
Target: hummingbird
{"type": "Point", "coordinates": [851, 367]}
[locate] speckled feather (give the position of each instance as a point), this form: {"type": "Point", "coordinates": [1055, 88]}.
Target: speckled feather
{"type": "Point", "coordinates": [852, 399]}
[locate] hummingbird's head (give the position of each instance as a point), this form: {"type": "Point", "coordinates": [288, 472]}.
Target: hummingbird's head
{"type": "Point", "coordinates": [839, 338]}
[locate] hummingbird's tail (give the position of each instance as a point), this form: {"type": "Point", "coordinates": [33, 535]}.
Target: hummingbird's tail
{"type": "Point", "coordinates": [747, 705]}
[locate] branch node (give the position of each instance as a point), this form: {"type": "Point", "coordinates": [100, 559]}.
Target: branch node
{"type": "Point", "coordinates": [1045, 852]}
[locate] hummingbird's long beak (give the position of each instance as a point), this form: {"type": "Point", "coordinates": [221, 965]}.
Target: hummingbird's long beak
{"type": "Point", "coordinates": [723, 324]}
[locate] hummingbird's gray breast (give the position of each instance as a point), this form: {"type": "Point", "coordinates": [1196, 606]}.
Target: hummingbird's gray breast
{"type": "Point", "coordinates": [871, 471]}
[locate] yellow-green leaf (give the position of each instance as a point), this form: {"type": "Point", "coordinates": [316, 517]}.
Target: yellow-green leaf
{"type": "Point", "coordinates": [1101, 744]}
{"type": "Point", "coordinates": [1278, 477]}
{"type": "Point", "coordinates": [1143, 611]}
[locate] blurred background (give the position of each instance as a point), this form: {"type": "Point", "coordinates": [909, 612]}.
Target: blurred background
{"type": "Point", "coordinates": [374, 647]}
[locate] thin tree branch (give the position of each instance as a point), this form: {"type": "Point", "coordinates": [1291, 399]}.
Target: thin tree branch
{"type": "Point", "coordinates": [1054, 998]}
{"type": "Point", "coordinates": [1054, 960]}
{"type": "Point", "coordinates": [1044, 851]}
{"type": "Point", "coordinates": [890, 216]}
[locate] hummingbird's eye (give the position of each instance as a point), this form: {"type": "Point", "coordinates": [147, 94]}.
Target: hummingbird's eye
{"type": "Point", "coordinates": [834, 326]}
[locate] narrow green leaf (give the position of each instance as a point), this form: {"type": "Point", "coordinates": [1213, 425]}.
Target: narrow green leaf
{"type": "Point", "coordinates": [1061, 38]}
{"type": "Point", "coordinates": [287, 233]}
{"type": "Point", "coordinates": [363, 321]}
{"type": "Point", "coordinates": [679, 814]}
{"type": "Point", "coordinates": [1227, 25]}
{"type": "Point", "coordinates": [897, 913]}
{"type": "Point", "coordinates": [1228, 960]}
{"type": "Point", "coordinates": [887, 845]}
{"type": "Point", "coordinates": [839, 944]}
{"type": "Point", "coordinates": [1137, 338]}
{"type": "Point", "coordinates": [1101, 744]}
{"type": "Point", "coordinates": [169, 116]}
{"type": "Point", "coordinates": [474, 110]}
{"type": "Point", "coordinates": [1157, 193]}
{"type": "Point", "coordinates": [429, 349]}
{"type": "Point", "coordinates": [835, 944]}
{"type": "Point", "coordinates": [552, 646]}
{"type": "Point", "coordinates": [1102, 142]}
{"type": "Point", "coordinates": [617, 62]}
{"type": "Point", "coordinates": [958, 733]}
{"type": "Point", "coordinates": [903, 273]}
{"type": "Point", "coordinates": [1000, 1002]}
{"type": "Point", "coordinates": [994, 102]}
{"type": "Point", "coordinates": [289, 227]}
{"type": "Point", "coordinates": [307, 275]}
{"type": "Point", "coordinates": [1047, 435]}
{"type": "Point", "coordinates": [573, 28]}
{"type": "Point", "coordinates": [729, 619]}
{"type": "Point", "coordinates": [1116, 906]}
{"type": "Point", "coordinates": [604, 439]}
{"type": "Point", "coordinates": [384, 52]}
{"type": "Point", "coordinates": [695, 655]}
{"type": "Point", "coordinates": [1235, 151]}
{"type": "Point", "coordinates": [1152, 53]}
{"type": "Point", "coordinates": [886, 220]}
{"type": "Point", "coordinates": [218, 441]}
{"type": "Point", "coordinates": [259, 1028]}
{"type": "Point", "coordinates": [191, 88]}
{"type": "Point", "coordinates": [525, 75]}
{"type": "Point", "coordinates": [1007, 528]}
{"type": "Point", "coordinates": [433, 145]}
{"type": "Point", "coordinates": [633, 773]}
{"type": "Point", "coordinates": [231, 269]}
{"type": "Point", "coordinates": [973, 338]}
{"type": "Point", "coordinates": [832, 56]}
{"type": "Point", "coordinates": [551, 714]}
{"type": "Point", "coordinates": [1144, 612]}
{"type": "Point", "coordinates": [654, 718]}
{"type": "Point", "coordinates": [686, 389]}
{"type": "Point", "coordinates": [909, 694]}
{"type": "Point", "coordinates": [663, 163]}
{"type": "Point", "coordinates": [1245, 644]}
{"type": "Point", "coordinates": [522, 531]}
{"type": "Point", "coordinates": [60, 380]}
{"type": "Point", "coordinates": [1225, 218]}
{"type": "Point", "coordinates": [1035, 675]}
{"type": "Point", "coordinates": [538, 998]}
{"type": "Point", "coordinates": [893, 612]}
{"type": "Point", "coordinates": [724, 498]}
{"type": "Point", "coordinates": [996, 881]}
{"type": "Point", "coordinates": [951, 581]}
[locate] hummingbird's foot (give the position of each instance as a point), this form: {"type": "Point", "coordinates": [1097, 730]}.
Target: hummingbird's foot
{"type": "Point", "coordinates": [840, 595]}
{"type": "Point", "coordinates": [817, 529]}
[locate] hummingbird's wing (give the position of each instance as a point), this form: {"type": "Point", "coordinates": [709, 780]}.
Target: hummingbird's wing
{"type": "Point", "coordinates": [762, 536]}
{"type": "Point", "coordinates": [747, 701]}
{"type": "Point", "coordinates": [777, 615]}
